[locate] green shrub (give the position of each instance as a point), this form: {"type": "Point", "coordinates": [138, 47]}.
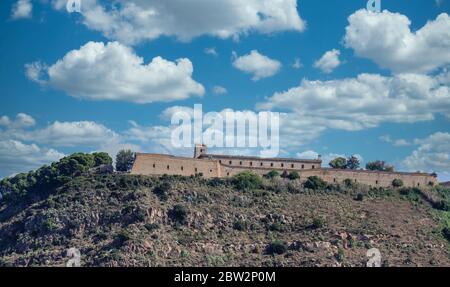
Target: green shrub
{"type": "Point", "coordinates": [318, 222]}
{"type": "Point", "coordinates": [397, 182]}
{"type": "Point", "coordinates": [315, 183]}
{"type": "Point", "coordinates": [277, 247]}
{"type": "Point", "coordinates": [247, 181]}
{"type": "Point", "coordinates": [442, 205]}
{"type": "Point", "coordinates": [446, 233]}
{"type": "Point", "coordinates": [123, 236]}
{"type": "Point", "coordinates": [179, 214]}
{"type": "Point", "coordinates": [359, 196]}
{"type": "Point", "coordinates": [349, 183]}
{"type": "Point", "coordinates": [276, 227]}
{"type": "Point", "coordinates": [240, 225]}
{"type": "Point", "coordinates": [340, 255]}
{"type": "Point", "coordinates": [294, 175]}
{"type": "Point", "coordinates": [272, 174]}
{"type": "Point", "coordinates": [162, 191]}
{"type": "Point", "coordinates": [151, 226]}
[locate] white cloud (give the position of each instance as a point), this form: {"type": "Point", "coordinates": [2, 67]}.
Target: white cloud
{"type": "Point", "coordinates": [114, 72]}
{"type": "Point", "coordinates": [219, 90]}
{"type": "Point", "coordinates": [364, 102]}
{"type": "Point", "coordinates": [258, 65]}
{"type": "Point", "coordinates": [211, 51]}
{"type": "Point", "coordinates": [432, 154]}
{"type": "Point", "coordinates": [59, 134]}
{"type": "Point", "coordinates": [16, 156]}
{"type": "Point", "coordinates": [21, 121]}
{"type": "Point", "coordinates": [396, 143]}
{"type": "Point", "coordinates": [329, 61]}
{"type": "Point", "coordinates": [297, 63]}
{"type": "Point", "coordinates": [386, 38]}
{"type": "Point", "coordinates": [22, 9]}
{"type": "Point", "coordinates": [72, 134]}
{"type": "Point", "coordinates": [134, 21]}
{"type": "Point", "coordinates": [36, 72]}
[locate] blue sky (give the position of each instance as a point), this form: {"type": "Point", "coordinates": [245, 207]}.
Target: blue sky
{"type": "Point", "coordinates": [54, 103]}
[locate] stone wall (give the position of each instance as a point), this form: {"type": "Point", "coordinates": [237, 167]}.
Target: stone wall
{"type": "Point", "coordinates": [154, 164]}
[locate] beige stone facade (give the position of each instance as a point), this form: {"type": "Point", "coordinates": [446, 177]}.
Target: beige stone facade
{"type": "Point", "coordinates": [210, 166]}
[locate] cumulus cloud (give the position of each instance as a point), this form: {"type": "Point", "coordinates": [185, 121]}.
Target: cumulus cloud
{"type": "Point", "coordinates": [59, 134]}
{"type": "Point", "coordinates": [432, 154]}
{"type": "Point", "coordinates": [219, 90]}
{"type": "Point", "coordinates": [114, 72]}
{"type": "Point", "coordinates": [386, 38]}
{"type": "Point", "coordinates": [135, 21]}
{"type": "Point", "coordinates": [258, 65]}
{"type": "Point", "coordinates": [21, 121]}
{"type": "Point", "coordinates": [329, 61]}
{"type": "Point", "coordinates": [364, 102]}
{"type": "Point", "coordinates": [21, 9]}
{"type": "Point", "coordinates": [17, 156]}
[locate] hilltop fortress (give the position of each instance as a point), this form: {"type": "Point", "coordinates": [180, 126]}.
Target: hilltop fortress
{"type": "Point", "coordinates": [212, 165]}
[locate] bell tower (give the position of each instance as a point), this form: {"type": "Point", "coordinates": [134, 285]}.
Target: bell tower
{"type": "Point", "coordinates": [200, 149]}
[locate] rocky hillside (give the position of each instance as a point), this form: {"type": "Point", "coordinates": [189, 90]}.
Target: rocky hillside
{"type": "Point", "coordinates": [125, 220]}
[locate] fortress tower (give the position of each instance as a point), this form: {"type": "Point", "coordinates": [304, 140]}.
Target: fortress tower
{"type": "Point", "coordinates": [200, 149]}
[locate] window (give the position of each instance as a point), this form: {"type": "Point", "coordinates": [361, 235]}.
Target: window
{"type": "Point", "coordinates": [182, 168]}
{"type": "Point", "coordinates": [261, 164]}
{"type": "Point", "coordinates": [220, 161]}
{"type": "Point", "coordinates": [251, 163]}
{"type": "Point", "coordinates": [168, 167]}
{"type": "Point", "coordinates": [292, 165]}
{"type": "Point", "coordinates": [376, 182]}
{"type": "Point", "coordinates": [418, 184]}
{"type": "Point", "coordinates": [271, 164]}
{"type": "Point", "coordinates": [313, 167]}
{"type": "Point", "coordinates": [231, 162]}
{"type": "Point", "coordinates": [334, 180]}
{"type": "Point", "coordinates": [228, 174]}
{"type": "Point", "coordinates": [196, 169]}
{"type": "Point", "coordinates": [303, 166]}
{"type": "Point", "coordinates": [210, 170]}
{"type": "Point", "coordinates": [282, 165]}
{"type": "Point", "coordinates": [154, 165]}
{"type": "Point", "coordinates": [240, 163]}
